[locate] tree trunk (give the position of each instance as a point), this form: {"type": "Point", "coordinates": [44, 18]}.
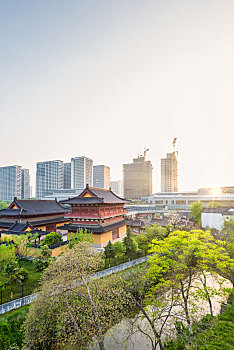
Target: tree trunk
{"type": "Point", "coordinates": [185, 299]}
{"type": "Point", "coordinates": [211, 308]}
{"type": "Point", "coordinates": [157, 336]}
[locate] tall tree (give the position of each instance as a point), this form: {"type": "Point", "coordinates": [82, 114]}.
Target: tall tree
{"type": "Point", "coordinates": [154, 306]}
{"type": "Point", "coordinates": [181, 258]}
{"type": "Point", "coordinates": [109, 250]}
{"type": "Point", "coordinates": [130, 244]}
{"type": "Point", "coordinates": [196, 209]}
{"type": "Point", "coordinates": [72, 309]}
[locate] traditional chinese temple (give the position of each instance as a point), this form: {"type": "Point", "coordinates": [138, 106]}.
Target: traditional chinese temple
{"type": "Point", "coordinates": [36, 216]}
{"type": "Point", "coordinates": [98, 211]}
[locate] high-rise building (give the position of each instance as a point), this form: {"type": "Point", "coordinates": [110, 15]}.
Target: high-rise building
{"type": "Point", "coordinates": [117, 187]}
{"type": "Point", "coordinates": [10, 182]}
{"type": "Point", "coordinates": [25, 187]}
{"type": "Point", "coordinates": [169, 173]}
{"type": "Point", "coordinates": [67, 176]}
{"type": "Point", "coordinates": [49, 176]}
{"type": "Point", "coordinates": [81, 172]}
{"type": "Point", "coordinates": [101, 176]}
{"type": "Point", "coordinates": [137, 178]}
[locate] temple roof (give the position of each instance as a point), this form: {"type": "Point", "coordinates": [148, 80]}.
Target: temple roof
{"type": "Point", "coordinates": [19, 228]}
{"type": "Point", "coordinates": [28, 207]}
{"type": "Point", "coordinates": [95, 196]}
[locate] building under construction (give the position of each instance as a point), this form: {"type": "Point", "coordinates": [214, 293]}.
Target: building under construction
{"type": "Point", "coordinates": [169, 181]}
{"type": "Point", "coordinates": [137, 178]}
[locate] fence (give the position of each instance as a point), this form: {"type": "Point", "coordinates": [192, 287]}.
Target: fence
{"type": "Point", "coordinates": [17, 291]}
{"type": "Point", "coordinates": [22, 290]}
{"type": "Point", "coordinates": [123, 259]}
{"type": "Point", "coordinates": [14, 304]}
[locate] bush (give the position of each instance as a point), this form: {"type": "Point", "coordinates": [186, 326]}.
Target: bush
{"type": "Point", "coordinates": [210, 333]}
{"type": "Point", "coordinates": [52, 238]}
{"type": "Point", "coordinates": [11, 334]}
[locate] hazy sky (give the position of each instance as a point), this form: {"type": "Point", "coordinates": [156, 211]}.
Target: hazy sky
{"type": "Point", "coordinates": [107, 79]}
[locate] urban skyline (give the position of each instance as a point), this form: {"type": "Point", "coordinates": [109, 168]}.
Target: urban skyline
{"type": "Point", "coordinates": [156, 189]}
{"type": "Point", "coordinates": [178, 82]}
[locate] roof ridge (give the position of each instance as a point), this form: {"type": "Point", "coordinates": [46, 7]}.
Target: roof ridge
{"type": "Point", "coordinates": [100, 189]}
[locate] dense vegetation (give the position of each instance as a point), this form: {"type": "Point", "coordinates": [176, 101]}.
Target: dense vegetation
{"type": "Point", "coordinates": [73, 310]}
{"type": "Point", "coordinates": [4, 205]}
{"type": "Point", "coordinates": [11, 332]}
{"type": "Point", "coordinates": [210, 333]}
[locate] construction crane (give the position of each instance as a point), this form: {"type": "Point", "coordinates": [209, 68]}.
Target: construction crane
{"type": "Point", "coordinates": [174, 145]}
{"type": "Point", "coordinates": [146, 150]}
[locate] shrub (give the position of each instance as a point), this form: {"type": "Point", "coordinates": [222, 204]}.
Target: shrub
{"type": "Point", "coordinates": [52, 238]}
{"type": "Point", "coordinates": [11, 334]}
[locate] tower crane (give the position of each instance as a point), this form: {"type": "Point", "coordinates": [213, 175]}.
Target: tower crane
{"type": "Point", "coordinates": [146, 150]}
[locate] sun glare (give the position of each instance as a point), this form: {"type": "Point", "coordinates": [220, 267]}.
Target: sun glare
{"type": "Point", "coordinates": [215, 191]}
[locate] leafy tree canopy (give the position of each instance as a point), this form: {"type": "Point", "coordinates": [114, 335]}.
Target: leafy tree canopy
{"type": "Point", "coordinates": [119, 248]}
{"type": "Point", "coordinates": [4, 205]}
{"type": "Point", "coordinates": [196, 209]}
{"type": "Point", "coordinates": [52, 238]}
{"type": "Point", "coordinates": [130, 244]}
{"type": "Point", "coordinates": [109, 250]}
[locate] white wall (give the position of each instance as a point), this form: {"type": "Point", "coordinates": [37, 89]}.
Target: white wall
{"type": "Point", "coordinates": [213, 220]}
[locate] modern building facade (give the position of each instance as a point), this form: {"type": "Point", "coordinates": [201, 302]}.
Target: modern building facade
{"type": "Point", "coordinates": [137, 178]}
{"type": "Point", "coordinates": [62, 194]}
{"type": "Point", "coordinates": [183, 200]}
{"type": "Point", "coordinates": [81, 172]}
{"type": "Point", "coordinates": [10, 182]}
{"type": "Point", "coordinates": [49, 176]}
{"type": "Point", "coordinates": [101, 176]}
{"type": "Point", "coordinates": [215, 217]}
{"type": "Point", "coordinates": [25, 184]}
{"type": "Point", "coordinates": [169, 181]}
{"type": "Point", "coordinates": [117, 187]}
{"type": "Point", "coordinates": [67, 176]}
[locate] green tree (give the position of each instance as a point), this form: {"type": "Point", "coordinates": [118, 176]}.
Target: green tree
{"type": "Point", "coordinates": [151, 232]}
{"type": "Point", "coordinates": [14, 273]}
{"type": "Point", "coordinates": [52, 238]}
{"type": "Point", "coordinates": [130, 244]}
{"type": "Point", "coordinates": [22, 244]}
{"type": "Point", "coordinates": [81, 235]}
{"type": "Point", "coordinates": [11, 333]}
{"type": "Point", "coordinates": [196, 209]}
{"type": "Point", "coordinates": [227, 237]}
{"type": "Point", "coordinates": [119, 248]}
{"type": "Point", "coordinates": [109, 250]}
{"type": "Point", "coordinates": [43, 259]}
{"type": "Point", "coordinates": [154, 305]}
{"type": "Point", "coordinates": [7, 252]}
{"type": "Point", "coordinates": [181, 258]}
{"type": "Point", "coordinates": [72, 309]}
{"type": "Point", "coordinates": [4, 205]}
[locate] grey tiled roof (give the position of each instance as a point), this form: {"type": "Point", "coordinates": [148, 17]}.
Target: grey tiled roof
{"type": "Point", "coordinates": [99, 196]}
{"type": "Point", "coordinates": [29, 207]}
{"type": "Point", "coordinates": [93, 228]}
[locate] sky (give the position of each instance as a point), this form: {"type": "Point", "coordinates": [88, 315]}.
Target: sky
{"type": "Point", "coordinates": [107, 79]}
